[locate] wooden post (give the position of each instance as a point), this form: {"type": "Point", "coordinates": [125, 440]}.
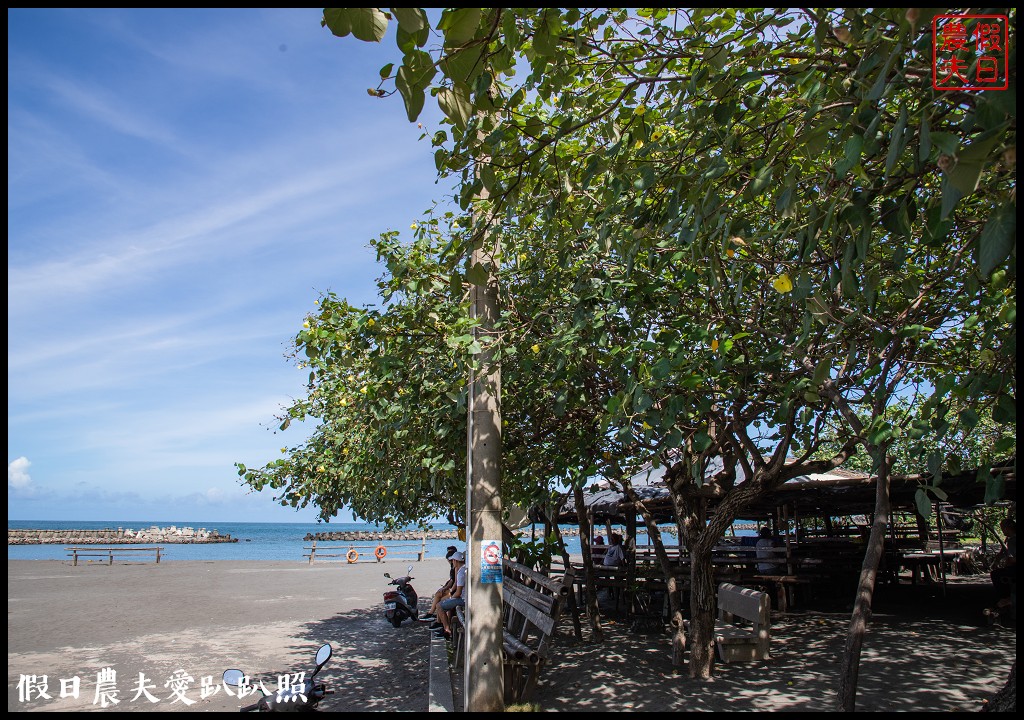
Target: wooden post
{"type": "Point", "coordinates": [158, 555]}
{"type": "Point", "coordinates": [423, 548]}
{"type": "Point", "coordinates": [312, 552]}
{"type": "Point", "coordinates": [111, 555]}
{"type": "Point", "coordinates": [630, 562]}
{"type": "Point", "coordinates": [789, 552]}
{"type": "Point", "coordinates": [942, 547]}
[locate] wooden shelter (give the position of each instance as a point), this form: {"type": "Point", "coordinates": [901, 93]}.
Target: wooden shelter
{"type": "Point", "coordinates": [837, 493]}
{"type": "Point", "coordinates": [822, 519]}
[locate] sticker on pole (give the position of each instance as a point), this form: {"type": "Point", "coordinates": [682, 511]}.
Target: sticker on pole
{"type": "Point", "coordinates": [490, 561]}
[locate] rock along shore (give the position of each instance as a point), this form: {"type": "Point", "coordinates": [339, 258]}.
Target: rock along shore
{"type": "Point", "coordinates": [372, 535]}
{"type": "Point", "coordinates": [117, 536]}
{"type": "Point", "coordinates": [368, 535]}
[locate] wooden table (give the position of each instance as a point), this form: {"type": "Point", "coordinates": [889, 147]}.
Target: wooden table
{"type": "Point", "coordinates": [785, 589]}
{"type": "Point", "coordinates": [921, 563]}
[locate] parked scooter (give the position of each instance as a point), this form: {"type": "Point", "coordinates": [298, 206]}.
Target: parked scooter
{"type": "Point", "coordinates": [401, 603]}
{"type": "Point", "coordinates": [302, 694]}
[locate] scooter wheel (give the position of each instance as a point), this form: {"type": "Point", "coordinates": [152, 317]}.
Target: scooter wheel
{"type": "Point", "coordinates": [396, 621]}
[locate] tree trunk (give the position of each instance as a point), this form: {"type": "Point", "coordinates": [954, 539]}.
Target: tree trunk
{"type": "Point", "coordinates": [593, 611]}
{"type": "Point", "coordinates": [668, 570]}
{"type": "Point", "coordinates": [849, 669]}
{"type": "Point", "coordinates": [702, 613]}
{"type": "Point", "coordinates": [1005, 700]}
{"type": "Point", "coordinates": [564, 553]}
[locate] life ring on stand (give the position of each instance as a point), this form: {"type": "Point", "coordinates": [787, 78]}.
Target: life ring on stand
{"type": "Point", "coordinates": [381, 552]}
{"type": "Point", "coordinates": [351, 556]}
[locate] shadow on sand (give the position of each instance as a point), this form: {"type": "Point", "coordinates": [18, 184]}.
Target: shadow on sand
{"type": "Point", "coordinates": [924, 651]}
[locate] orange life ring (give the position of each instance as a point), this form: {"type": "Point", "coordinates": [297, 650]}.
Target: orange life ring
{"type": "Point", "coordinates": [351, 556]}
{"type": "Point", "coordinates": [381, 552]}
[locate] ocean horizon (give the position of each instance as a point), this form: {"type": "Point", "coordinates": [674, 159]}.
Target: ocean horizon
{"type": "Point", "coordinates": [256, 541]}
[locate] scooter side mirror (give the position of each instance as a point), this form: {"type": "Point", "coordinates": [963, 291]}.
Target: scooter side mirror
{"type": "Point", "coordinates": [322, 656]}
{"type": "Point", "coordinates": [233, 677]}
{"type": "Point", "coordinates": [409, 571]}
{"type": "Point", "coordinates": [387, 575]}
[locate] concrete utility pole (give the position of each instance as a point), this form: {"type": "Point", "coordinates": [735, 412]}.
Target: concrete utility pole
{"type": "Point", "coordinates": [484, 677]}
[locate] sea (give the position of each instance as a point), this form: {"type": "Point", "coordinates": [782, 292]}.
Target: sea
{"type": "Point", "coordinates": [259, 541]}
{"type": "Point", "coordinates": [256, 541]}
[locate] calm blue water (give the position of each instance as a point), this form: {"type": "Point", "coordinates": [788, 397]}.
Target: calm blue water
{"type": "Point", "coordinates": [256, 541]}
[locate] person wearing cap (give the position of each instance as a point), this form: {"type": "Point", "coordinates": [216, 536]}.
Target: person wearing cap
{"type": "Point", "coordinates": [457, 599]}
{"type": "Point", "coordinates": [444, 591]}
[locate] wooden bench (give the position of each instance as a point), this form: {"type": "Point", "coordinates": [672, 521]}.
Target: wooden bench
{"type": "Point", "coordinates": [108, 552]}
{"type": "Point", "coordinates": [532, 605]}
{"type": "Point", "coordinates": [743, 628]}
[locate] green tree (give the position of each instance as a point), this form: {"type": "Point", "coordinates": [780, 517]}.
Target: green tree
{"type": "Point", "coordinates": [714, 224]}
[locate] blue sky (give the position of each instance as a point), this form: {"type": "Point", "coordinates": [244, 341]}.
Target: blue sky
{"type": "Point", "coordinates": [182, 185]}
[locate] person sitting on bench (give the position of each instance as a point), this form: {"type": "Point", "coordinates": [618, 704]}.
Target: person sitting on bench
{"type": "Point", "coordinates": [766, 553]}
{"type": "Point", "coordinates": [615, 555]}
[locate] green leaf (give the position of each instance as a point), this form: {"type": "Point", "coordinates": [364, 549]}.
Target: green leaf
{"type": "Point", "coordinates": [997, 240]}
{"type": "Point", "coordinates": [925, 147]}
{"type": "Point", "coordinates": [701, 441]}
{"type": "Point", "coordinates": [822, 371]}
{"type": "Point", "coordinates": [851, 155]}
{"type": "Point", "coordinates": [950, 197]}
{"type": "Point", "coordinates": [881, 434]}
{"type": "Point", "coordinates": [995, 486]}
{"type": "Point", "coordinates": [407, 42]}
{"type": "Point", "coordinates": [968, 418]}
{"type": "Point", "coordinates": [716, 56]}
{"type": "Point", "coordinates": [455, 104]}
{"type": "Point", "coordinates": [465, 65]}
{"type": "Point", "coordinates": [412, 20]}
{"type": "Point", "coordinates": [459, 26]}
{"type": "Point", "coordinates": [761, 181]}
{"type": "Point", "coordinates": [897, 141]}
{"type": "Point", "coordinates": [368, 24]}
{"type": "Point", "coordinates": [924, 505]}
{"type": "Point", "coordinates": [965, 174]}
{"type": "Point", "coordinates": [477, 274]}
{"type": "Point", "coordinates": [455, 284]}
{"type": "Point", "coordinates": [946, 143]}
{"type": "Point", "coordinates": [642, 402]}
{"type": "Point", "coordinates": [1005, 410]}
{"type": "Point", "coordinates": [412, 95]}
{"type": "Point", "coordinates": [338, 21]}
{"type": "Point", "coordinates": [613, 404]}
{"type": "Point", "coordinates": [879, 87]}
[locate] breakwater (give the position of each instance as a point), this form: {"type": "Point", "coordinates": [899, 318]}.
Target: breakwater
{"type": "Point", "coordinates": [117, 536]}
{"type": "Point", "coordinates": [370, 535]}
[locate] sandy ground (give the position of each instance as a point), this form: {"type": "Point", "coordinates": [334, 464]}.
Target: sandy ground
{"type": "Point", "coordinates": [924, 652]}
{"type": "Point", "coordinates": [266, 618]}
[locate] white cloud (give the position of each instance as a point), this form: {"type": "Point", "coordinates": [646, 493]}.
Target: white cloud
{"type": "Point", "coordinates": [18, 479]}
